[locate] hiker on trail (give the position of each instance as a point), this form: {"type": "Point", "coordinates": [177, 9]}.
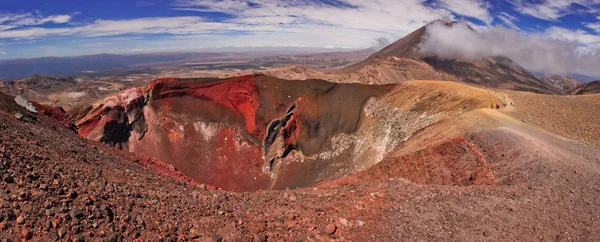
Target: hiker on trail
{"type": "Point", "coordinates": [497, 106]}
{"type": "Point", "coordinates": [492, 105]}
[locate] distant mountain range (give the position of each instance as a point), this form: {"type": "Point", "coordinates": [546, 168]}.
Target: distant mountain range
{"type": "Point", "coordinates": [113, 64]}
{"type": "Point", "coordinates": [73, 66]}
{"type": "Point", "coordinates": [579, 77]}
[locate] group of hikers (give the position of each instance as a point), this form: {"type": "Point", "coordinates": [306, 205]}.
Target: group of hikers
{"type": "Point", "coordinates": [497, 106]}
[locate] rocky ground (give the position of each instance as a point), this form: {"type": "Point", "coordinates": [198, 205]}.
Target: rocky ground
{"type": "Point", "coordinates": [58, 186]}
{"type": "Point", "coordinates": [574, 117]}
{"type": "Point", "coordinates": [540, 186]}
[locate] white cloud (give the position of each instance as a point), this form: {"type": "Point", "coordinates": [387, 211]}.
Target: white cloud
{"type": "Point", "coordinates": [552, 10]}
{"type": "Point", "coordinates": [10, 21]}
{"type": "Point", "coordinates": [545, 52]}
{"type": "Point", "coordinates": [509, 20]}
{"type": "Point", "coordinates": [353, 24]}
{"type": "Point", "coordinates": [384, 18]}
{"type": "Point", "coordinates": [594, 26]}
{"type": "Point", "coordinates": [572, 35]}
{"type": "Point", "coordinates": [59, 19]}
{"type": "Point", "coordinates": [472, 8]}
{"type": "Point", "coordinates": [173, 25]}
{"type": "Point", "coordinates": [2, 53]}
{"type": "Point", "coordinates": [146, 3]}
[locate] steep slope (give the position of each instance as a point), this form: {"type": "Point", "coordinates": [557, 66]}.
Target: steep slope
{"type": "Point", "coordinates": [407, 47]}
{"type": "Point", "coordinates": [493, 71]}
{"type": "Point", "coordinates": [563, 84]}
{"type": "Point", "coordinates": [259, 132]}
{"type": "Point", "coordinates": [588, 88]}
{"type": "Point", "coordinates": [243, 133]}
{"type": "Point", "coordinates": [404, 60]}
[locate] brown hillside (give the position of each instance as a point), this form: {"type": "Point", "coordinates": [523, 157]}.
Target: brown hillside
{"type": "Point", "coordinates": [588, 88]}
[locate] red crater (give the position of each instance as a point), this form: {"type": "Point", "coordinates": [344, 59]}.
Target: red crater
{"type": "Point", "coordinates": [216, 131]}
{"type": "Point", "coordinates": [236, 94]}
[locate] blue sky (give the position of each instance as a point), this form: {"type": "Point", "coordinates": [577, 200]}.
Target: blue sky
{"type": "Point", "coordinates": [31, 28]}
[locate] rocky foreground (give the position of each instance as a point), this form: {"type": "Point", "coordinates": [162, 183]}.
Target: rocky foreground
{"type": "Point", "coordinates": [58, 186]}
{"type": "Point", "coordinates": [534, 185]}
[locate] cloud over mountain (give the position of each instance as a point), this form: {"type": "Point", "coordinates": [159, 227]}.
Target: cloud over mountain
{"type": "Point", "coordinates": [536, 51]}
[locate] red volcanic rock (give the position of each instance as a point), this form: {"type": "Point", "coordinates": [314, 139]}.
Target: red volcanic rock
{"type": "Point", "coordinates": [451, 162]}
{"type": "Point", "coordinates": [230, 132]}
{"type": "Point", "coordinates": [236, 94]}
{"type": "Point", "coordinates": [56, 114]}
{"type": "Point", "coordinates": [330, 229]}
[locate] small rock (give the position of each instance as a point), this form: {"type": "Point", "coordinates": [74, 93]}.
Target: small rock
{"type": "Point", "coordinates": [61, 233]}
{"type": "Point", "coordinates": [112, 237]}
{"type": "Point", "coordinates": [260, 238]}
{"type": "Point", "coordinates": [48, 204]}
{"type": "Point", "coordinates": [9, 179]}
{"type": "Point", "coordinates": [72, 194]}
{"type": "Point", "coordinates": [217, 238]}
{"type": "Point", "coordinates": [20, 220]}
{"type": "Point", "coordinates": [360, 223]}
{"type": "Point", "coordinates": [76, 213]}
{"type": "Point", "coordinates": [26, 234]}
{"type": "Point", "coordinates": [78, 238]}
{"type": "Point", "coordinates": [344, 221]}
{"type": "Point", "coordinates": [291, 216]}
{"type": "Point", "coordinates": [194, 234]}
{"type": "Point", "coordinates": [330, 229]}
{"type": "Point", "coordinates": [486, 233]}
{"type": "Point", "coordinates": [18, 115]}
{"type": "Point", "coordinates": [47, 225]}
{"type": "Point", "coordinates": [106, 211]}
{"type": "Point", "coordinates": [53, 236]}
{"type": "Point", "coordinates": [24, 103]}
